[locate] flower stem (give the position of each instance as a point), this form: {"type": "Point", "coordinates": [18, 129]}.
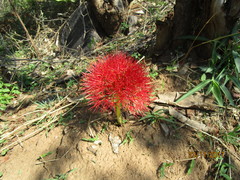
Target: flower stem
{"type": "Point", "coordinates": [118, 112]}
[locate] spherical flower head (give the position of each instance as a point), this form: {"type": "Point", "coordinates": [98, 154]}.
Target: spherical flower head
{"type": "Point", "coordinates": [118, 78]}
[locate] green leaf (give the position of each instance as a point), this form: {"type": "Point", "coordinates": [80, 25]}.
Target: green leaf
{"type": "Point", "coordinates": [7, 84]}
{"type": "Point", "coordinates": [2, 107]}
{"type": "Point", "coordinates": [217, 93]}
{"type": "Point", "coordinates": [235, 81]}
{"type": "Point", "coordinates": [203, 77]}
{"type": "Point", "coordinates": [4, 152]}
{"type": "Point", "coordinates": [161, 169]}
{"type": "Point", "coordinates": [2, 141]}
{"type": "Point", "coordinates": [200, 136]}
{"type": "Point", "coordinates": [236, 57]}
{"type": "Point", "coordinates": [15, 92]}
{"type": "Point", "coordinates": [209, 90]}
{"type": "Point", "coordinates": [192, 164]}
{"type": "Point", "coordinates": [1, 174]}
{"type": "Point", "coordinates": [195, 89]}
{"type": "Point", "coordinates": [227, 177]}
{"type": "Point", "coordinates": [4, 90]}
{"type": "Point", "coordinates": [227, 94]}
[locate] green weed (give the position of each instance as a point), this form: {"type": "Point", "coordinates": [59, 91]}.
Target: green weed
{"type": "Point", "coordinates": [62, 176]}
{"type": "Point", "coordinates": [4, 152]}
{"type": "Point", "coordinates": [224, 68]}
{"type": "Point", "coordinates": [161, 169]}
{"type": "Point", "coordinates": [124, 26]}
{"type": "Point", "coordinates": [7, 93]}
{"type": "Point", "coordinates": [128, 138]}
{"type": "Point", "coordinates": [153, 117]}
{"type": "Point", "coordinates": [137, 55]}
{"type": "Point", "coordinates": [104, 128]}
{"type": "Point", "coordinates": [71, 83]}
{"type": "Point", "coordinates": [191, 166]}
{"type": "Point", "coordinates": [63, 120]}
{"type": "Point", "coordinates": [223, 169]}
{"type": "Point", "coordinates": [233, 137]}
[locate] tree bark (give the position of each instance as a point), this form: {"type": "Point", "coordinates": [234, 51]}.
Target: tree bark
{"type": "Point", "coordinates": [198, 18]}
{"type": "Point", "coordinates": [91, 21]}
{"type": "Point", "coordinates": [109, 14]}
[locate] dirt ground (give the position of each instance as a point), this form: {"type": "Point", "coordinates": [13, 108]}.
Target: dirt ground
{"type": "Point", "coordinates": [72, 158]}
{"type": "Point", "coordinates": [138, 160]}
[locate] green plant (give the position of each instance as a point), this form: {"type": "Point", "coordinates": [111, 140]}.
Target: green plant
{"type": "Point", "coordinates": [223, 69]}
{"type": "Point", "coordinates": [200, 136]}
{"type": "Point", "coordinates": [128, 138]}
{"type": "Point", "coordinates": [161, 169]}
{"type": "Point", "coordinates": [153, 74]}
{"type": "Point", "coordinates": [62, 176]}
{"type": "Point", "coordinates": [7, 93]}
{"type": "Point", "coordinates": [124, 26]}
{"type": "Point", "coordinates": [191, 166]}
{"type": "Point", "coordinates": [233, 137]}
{"type": "Point", "coordinates": [223, 169]}
{"type": "Point", "coordinates": [63, 120]}
{"type": "Point", "coordinates": [158, 115]}
{"type": "Point", "coordinates": [45, 104]}
{"type": "Point", "coordinates": [137, 55]}
{"type": "Point", "coordinates": [104, 128]}
{"type": "Point", "coordinates": [71, 83]}
{"type": "Point", "coordinates": [4, 152]}
{"type": "Point", "coordinates": [90, 139]}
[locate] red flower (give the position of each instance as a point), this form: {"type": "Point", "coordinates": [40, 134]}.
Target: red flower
{"type": "Point", "coordinates": [117, 79]}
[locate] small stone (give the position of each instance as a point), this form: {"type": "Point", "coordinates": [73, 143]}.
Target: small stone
{"type": "Point", "coordinates": [115, 142]}
{"type": "Point", "coordinates": [165, 129]}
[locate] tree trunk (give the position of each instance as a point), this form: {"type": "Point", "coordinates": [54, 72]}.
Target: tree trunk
{"type": "Point", "coordinates": [92, 21]}
{"type": "Point", "coordinates": [109, 14]}
{"type": "Point", "coordinates": [197, 18]}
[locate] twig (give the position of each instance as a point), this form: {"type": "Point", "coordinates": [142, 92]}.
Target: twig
{"type": "Point", "coordinates": [191, 47]}
{"type": "Point", "coordinates": [37, 119]}
{"type": "Point", "coordinates": [224, 145]}
{"type": "Point", "coordinates": [199, 127]}
{"type": "Point", "coordinates": [24, 27]}
{"type": "Point", "coordinates": [218, 169]}
{"type": "Point", "coordinates": [29, 135]}
{"type": "Point", "coordinates": [189, 122]}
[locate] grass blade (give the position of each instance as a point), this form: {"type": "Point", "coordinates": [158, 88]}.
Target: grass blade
{"type": "Point", "coordinates": [217, 93]}
{"type": "Point", "coordinates": [227, 94]}
{"type": "Point", "coordinates": [195, 89]}
{"type": "Point", "coordinates": [44, 155]}
{"type": "Point", "coordinates": [90, 139]}
{"type": "Point", "coordinates": [236, 60]}
{"type": "Point", "coordinates": [161, 169]}
{"type": "Point", "coordinates": [192, 164]}
{"type": "Point", "coordinates": [235, 81]}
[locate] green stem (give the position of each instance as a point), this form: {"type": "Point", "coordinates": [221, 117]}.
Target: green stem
{"type": "Point", "coordinates": [118, 112]}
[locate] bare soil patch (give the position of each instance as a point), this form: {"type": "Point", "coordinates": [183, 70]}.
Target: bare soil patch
{"type": "Point", "coordinates": [74, 159]}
